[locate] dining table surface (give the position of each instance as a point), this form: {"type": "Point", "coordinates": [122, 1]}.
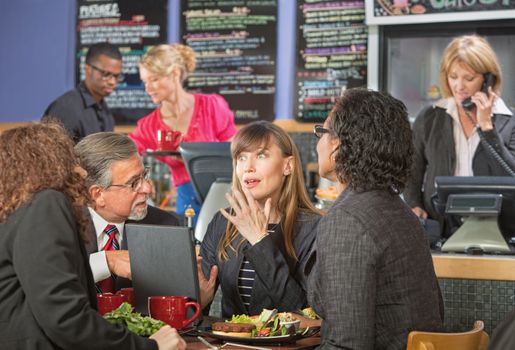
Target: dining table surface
{"type": "Point", "coordinates": [193, 343]}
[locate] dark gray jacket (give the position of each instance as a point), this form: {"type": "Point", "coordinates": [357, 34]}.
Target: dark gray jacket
{"type": "Point", "coordinates": [279, 283]}
{"type": "Point", "coordinates": [435, 153]}
{"type": "Point", "coordinates": [373, 281]}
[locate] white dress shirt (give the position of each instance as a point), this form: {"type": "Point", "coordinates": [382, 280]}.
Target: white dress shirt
{"type": "Point", "coordinates": [98, 261]}
{"type": "Point", "coordinates": [465, 148]}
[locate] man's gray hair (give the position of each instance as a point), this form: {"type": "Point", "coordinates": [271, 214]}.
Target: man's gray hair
{"type": "Point", "coordinates": [97, 153]}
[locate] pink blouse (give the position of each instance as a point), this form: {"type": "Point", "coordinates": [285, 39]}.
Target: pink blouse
{"type": "Point", "coordinates": [212, 121]}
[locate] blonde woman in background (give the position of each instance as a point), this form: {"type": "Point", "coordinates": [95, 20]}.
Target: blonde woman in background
{"type": "Point", "coordinates": [189, 117]}
{"type": "Point", "coordinates": [451, 140]}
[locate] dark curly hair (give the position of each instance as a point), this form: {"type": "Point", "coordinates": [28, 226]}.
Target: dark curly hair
{"type": "Point", "coordinates": [376, 146]}
{"type": "Point", "coordinates": [36, 157]}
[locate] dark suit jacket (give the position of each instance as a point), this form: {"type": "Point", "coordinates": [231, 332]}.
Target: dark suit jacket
{"type": "Point", "coordinates": [47, 295]}
{"type": "Point", "coordinates": [435, 154]}
{"type": "Point", "coordinates": [155, 216]}
{"type": "Point", "coordinates": [279, 282]}
{"type": "Point", "coordinates": [373, 280]}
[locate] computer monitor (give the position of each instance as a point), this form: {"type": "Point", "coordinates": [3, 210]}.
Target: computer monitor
{"type": "Point", "coordinates": [486, 207]}
{"type": "Point", "coordinates": [206, 162]}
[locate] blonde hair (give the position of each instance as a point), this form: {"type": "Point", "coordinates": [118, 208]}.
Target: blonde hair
{"type": "Point", "coordinates": [163, 59]}
{"type": "Point", "coordinates": [293, 198]}
{"type": "Point", "coordinates": [476, 53]}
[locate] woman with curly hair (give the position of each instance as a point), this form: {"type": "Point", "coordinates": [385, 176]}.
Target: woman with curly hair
{"type": "Point", "coordinates": [47, 294]}
{"type": "Point", "coordinates": [261, 244]}
{"type": "Point", "coordinates": [373, 280]}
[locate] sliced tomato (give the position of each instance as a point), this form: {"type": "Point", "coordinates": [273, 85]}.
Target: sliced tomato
{"type": "Point", "coordinates": [264, 332]}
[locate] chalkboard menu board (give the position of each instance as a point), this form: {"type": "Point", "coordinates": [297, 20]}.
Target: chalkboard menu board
{"type": "Point", "coordinates": [419, 11]}
{"type": "Point", "coordinates": [235, 42]}
{"type": "Point", "coordinates": [132, 25]}
{"type": "Point", "coordinates": [332, 54]}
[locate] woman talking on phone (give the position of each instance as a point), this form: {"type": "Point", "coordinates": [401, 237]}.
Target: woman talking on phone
{"type": "Point", "coordinates": [470, 132]}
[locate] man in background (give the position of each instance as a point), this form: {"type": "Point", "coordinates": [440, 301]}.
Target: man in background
{"type": "Point", "coordinates": [119, 188]}
{"type": "Point", "coordinates": [83, 110]}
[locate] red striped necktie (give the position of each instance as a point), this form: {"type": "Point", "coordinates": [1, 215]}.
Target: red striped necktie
{"type": "Point", "coordinates": [111, 231]}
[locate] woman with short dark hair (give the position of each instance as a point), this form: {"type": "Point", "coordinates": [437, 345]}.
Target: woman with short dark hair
{"type": "Point", "coordinates": [373, 280]}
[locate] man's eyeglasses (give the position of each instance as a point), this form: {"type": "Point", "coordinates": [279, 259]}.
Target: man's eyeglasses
{"type": "Point", "coordinates": [108, 75]}
{"type": "Point", "coordinates": [319, 131]}
{"type": "Point", "coordinates": [137, 184]}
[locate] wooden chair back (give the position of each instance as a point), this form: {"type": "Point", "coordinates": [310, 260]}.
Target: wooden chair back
{"type": "Point", "coordinates": [475, 339]}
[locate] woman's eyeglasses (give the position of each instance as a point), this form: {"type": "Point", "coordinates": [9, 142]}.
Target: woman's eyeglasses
{"type": "Point", "coordinates": [319, 131]}
{"type": "Point", "coordinates": [108, 75]}
{"type": "Point", "coordinates": [137, 184]}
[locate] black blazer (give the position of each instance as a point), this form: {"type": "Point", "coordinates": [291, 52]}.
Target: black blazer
{"type": "Point", "coordinates": [155, 216]}
{"type": "Point", "coordinates": [279, 282]}
{"type": "Point", "coordinates": [47, 295]}
{"type": "Point", "coordinates": [435, 153]}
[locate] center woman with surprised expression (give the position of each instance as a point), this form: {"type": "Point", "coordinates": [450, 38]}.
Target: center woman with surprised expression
{"type": "Point", "coordinates": [256, 250]}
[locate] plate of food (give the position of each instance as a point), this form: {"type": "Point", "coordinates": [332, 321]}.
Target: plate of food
{"type": "Point", "coordinates": [270, 327]}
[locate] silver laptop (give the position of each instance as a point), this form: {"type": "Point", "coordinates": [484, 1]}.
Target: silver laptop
{"type": "Point", "coordinates": [163, 262]}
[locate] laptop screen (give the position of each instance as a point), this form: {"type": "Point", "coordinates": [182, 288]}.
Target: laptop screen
{"type": "Point", "coordinates": [163, 262]}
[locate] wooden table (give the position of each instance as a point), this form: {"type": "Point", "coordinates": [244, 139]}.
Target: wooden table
{"type": "Point", "coordinates": [305, 343]}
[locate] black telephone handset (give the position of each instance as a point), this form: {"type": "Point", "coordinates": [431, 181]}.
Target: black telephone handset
{"type": "Point", "coordinates": [489, 80]}
{"type": "Point", "coordinates": [468, 105]}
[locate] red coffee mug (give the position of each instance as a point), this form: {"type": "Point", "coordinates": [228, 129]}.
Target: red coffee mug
{"type": "Point", "coordinates": [129, 293]}
{"type": "Point", "coordinates": [168, 140]}
{"type": "Point", "coordinates": [172, 310]}
{"type": "Point", "coordinates": [108, 302]}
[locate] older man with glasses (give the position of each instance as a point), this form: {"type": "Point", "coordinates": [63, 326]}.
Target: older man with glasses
{"type": "Point", "coordinates": [119, 188]}
{"type": "Point", "coordinates": [83, 110]}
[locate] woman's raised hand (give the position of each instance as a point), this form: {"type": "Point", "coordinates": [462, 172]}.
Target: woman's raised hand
{"type": "Point", "coordinates": [484, 104]}
{"type": "Point", "coordinates": [247, 215]}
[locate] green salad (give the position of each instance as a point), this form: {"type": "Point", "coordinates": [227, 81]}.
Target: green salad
{"type": "Point", "coordinates": [141, 325]}
{"type": "Point", "coordinates": [268, 323]}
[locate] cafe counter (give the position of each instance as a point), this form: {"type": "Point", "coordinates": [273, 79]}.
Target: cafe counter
{"type": "Point", "coordinates": [475, 288]}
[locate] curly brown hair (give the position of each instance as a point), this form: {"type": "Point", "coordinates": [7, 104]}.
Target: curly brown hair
{"type": "Point", "coordinates": [36, 157]}
{"type": "Point", "coordinates": [376, 147]}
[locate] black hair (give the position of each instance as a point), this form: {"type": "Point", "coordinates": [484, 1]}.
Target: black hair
{"type": "Point", "coordinates": [98, 49]}
{"type": "Point", "coordinates": [376, 146]}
